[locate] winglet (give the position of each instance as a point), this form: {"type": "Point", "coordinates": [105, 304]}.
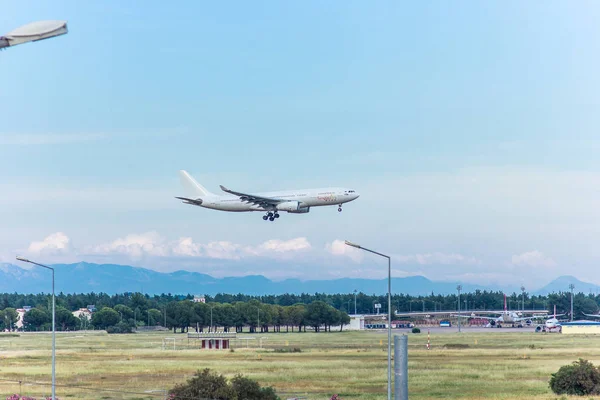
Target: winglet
{"type": "Point", "coordinates": [223, 188]}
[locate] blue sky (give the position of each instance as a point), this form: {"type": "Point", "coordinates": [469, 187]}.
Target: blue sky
{"type": "Point", "coordinates": [470, 129]}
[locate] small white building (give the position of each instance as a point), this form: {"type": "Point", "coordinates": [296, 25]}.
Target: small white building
{"type": "Point", "coordinates": [83, 311]}
{"type": "Point", "coordinates": [199, 299]}
{"type": "Point", "coordinates": [357, 322]}
{"type": "Point", "coordinates": [21, 314]}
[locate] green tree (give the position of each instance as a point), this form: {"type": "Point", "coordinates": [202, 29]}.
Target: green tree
{"type": "Point", "coordinates": [65, 320]}
{"type": "Point", "coordinates": [36, 319]}
{"type": "Point", "coordinates": [580, 378]}
{"type": "Point", "coordinates": [9, 316]}
{"type": "Point", "coordinates": [204, 385]}
{"type": "Point", "coordinates": [125, 313]}
{"type": "Point", "coordinates": [247, 389]}
{"type": "Point", "coordinates": [105, 317]}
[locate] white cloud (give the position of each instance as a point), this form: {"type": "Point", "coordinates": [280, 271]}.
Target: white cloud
{"type": "Point", "coordinates": [533, 258]}
{"type": "Point", "coordinates": [284, 246]}
{"type": "Point", "coordinates": [56, 243]}
{"type": "Point", "coordinates": [153, 244]}
{"type": "Point", "coordinates": [340, 248]}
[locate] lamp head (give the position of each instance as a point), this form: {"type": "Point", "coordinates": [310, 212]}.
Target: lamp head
{"type": "Point", "coordinates": [351, 244]}
{"type": "Point", "coordinates": [23, 259]}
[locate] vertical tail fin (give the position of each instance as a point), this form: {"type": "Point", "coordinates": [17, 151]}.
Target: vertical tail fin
{"type": "Point", "coordinates": [191, 186]}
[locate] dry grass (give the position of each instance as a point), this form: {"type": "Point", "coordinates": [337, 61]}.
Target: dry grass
{"type": "Point", "coordinates": [495, 365]}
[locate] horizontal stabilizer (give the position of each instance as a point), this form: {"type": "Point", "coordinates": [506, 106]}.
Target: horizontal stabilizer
{"type": "Point", "coordinates": [196, 202]}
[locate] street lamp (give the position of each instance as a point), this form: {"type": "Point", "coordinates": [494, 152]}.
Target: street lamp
{"type": "Point", "coordinates": [210, 330]}
{"type": "Point", "coordinates": [33, 32]}
{"type": "Point", "coordinates": [354, 301]}
{"type": "Point", "coordinates": [459, 288]}
{"type": "Point", "coordinates": [389, 396]}
{"type": "Point", "coordinates": [571, 286]}
{"type": "Point", "coordinates": [53, 325]}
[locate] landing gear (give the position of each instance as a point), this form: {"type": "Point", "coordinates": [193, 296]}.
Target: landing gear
{"type": "Point", "coordinates": [340, 208]}
{"type": "Point", "coordinates": [271, 216]}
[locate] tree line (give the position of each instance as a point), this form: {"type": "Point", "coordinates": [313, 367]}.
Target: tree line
{"type": "Point", "coordinates": [129, 310]}
{"type": "Point", "coordinates": [183, 315]}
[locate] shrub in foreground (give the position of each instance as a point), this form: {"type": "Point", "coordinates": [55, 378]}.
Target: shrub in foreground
{"type": "Point", "coordinates": [580, 378]}
{"type": "Point", "coordinates": [416, 330]}
{"type": "Point", "coordinates": [207, 385]}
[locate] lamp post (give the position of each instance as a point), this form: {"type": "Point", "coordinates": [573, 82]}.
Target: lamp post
{"type": "Point", "coordinates": [210, 330]}
{"type": "Point", "coordinates": [389, 395]}
{"type": "Point", "coordinates": [53, 325]}
{"type": "Point", "coordinates": [459, 288]}
{"type": "Point", "coordinates": [523, 298]}
{"type": "Point", "coordinates": [354, 301]}
{"type": "Point", "coordinates": [571, 286]}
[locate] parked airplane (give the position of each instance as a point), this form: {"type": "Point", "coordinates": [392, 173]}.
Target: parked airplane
{"type": "Point", "coordinates": [552, 323]}
{"type": "Point", "coordinates": [292, 201]}
{"type": "Point", "coordinates": [515, 319]}
{"type": "Point", "coordinates": [592, 315]}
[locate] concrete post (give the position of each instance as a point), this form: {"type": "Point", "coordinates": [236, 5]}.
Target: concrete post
{"type": "Point", "coordinates": [401, 367]}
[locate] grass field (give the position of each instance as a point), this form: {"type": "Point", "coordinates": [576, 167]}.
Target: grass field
{"type": "Point", "coordinates": [498, 365]}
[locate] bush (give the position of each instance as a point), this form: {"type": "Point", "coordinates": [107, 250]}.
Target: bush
{"type": "Point", "coordinates": [288, 350]}
{"type": "Point", "coordinates": [121, 327]}
{"type": "Point", "coordinates": [580, 378]}
{"type": "Point", "coordinates": [416, 330]}
{"type": "Point", "coordinates": [207, 385]}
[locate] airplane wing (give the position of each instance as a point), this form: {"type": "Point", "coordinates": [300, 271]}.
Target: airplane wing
{"type": "Point", "coordinates": [196, 202]}
{"type": "Point", "coordinates": [474, 316]}
{"type": "Point", "coordinates": [265, 202]}
{"type": "Point", "coordinates": [592, 315]}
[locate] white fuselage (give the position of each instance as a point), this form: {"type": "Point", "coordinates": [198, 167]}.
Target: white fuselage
{"type": "Point", "coordinates": [305, 198]}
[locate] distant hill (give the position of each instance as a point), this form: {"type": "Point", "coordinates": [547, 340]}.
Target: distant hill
{"type": "Point", "coordinates": [561, 284]}
{"type": "Point", "coordinates": [110, 278]}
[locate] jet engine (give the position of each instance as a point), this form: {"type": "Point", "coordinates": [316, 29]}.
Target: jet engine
{"type": "Point", "coordinates": [492, 323]}
{"type": "Point", "coordinates": [292, 207]}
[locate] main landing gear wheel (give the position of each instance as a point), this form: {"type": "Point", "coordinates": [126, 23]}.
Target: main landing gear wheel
{"type": "Point", "coordinates": [271, 216]}
{"type": "Point", "coordinates": [340, 208]}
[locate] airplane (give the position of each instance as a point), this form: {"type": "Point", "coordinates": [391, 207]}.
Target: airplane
{"type": "Point", "coordinates": [592, 315]}
{"type": "Point", "coordinates": [552, 323]}
{"type": "Point", "coordinates": [506, 317]}
{"type": "Point", "coordinates": [291, 201]}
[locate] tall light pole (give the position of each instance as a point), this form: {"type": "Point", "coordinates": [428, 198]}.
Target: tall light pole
{"type": "Point", "coordinates": [389, 396]}
{"type": "Point", "coordinates": [211, 319]}
{"type": "Point", "coordinates": [354, 301]}
{"type": "Point", "coordinates": [523, 298]}
{"type": "Point", "coordinates": [53, 325]}
{"type": "Point", "coordinates": [571, 286]}
{"type": "Point", "coordinates": [459, 288]}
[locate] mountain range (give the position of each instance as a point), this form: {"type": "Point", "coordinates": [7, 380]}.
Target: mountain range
{"type": "Point", "coordinates": [110, 278]}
